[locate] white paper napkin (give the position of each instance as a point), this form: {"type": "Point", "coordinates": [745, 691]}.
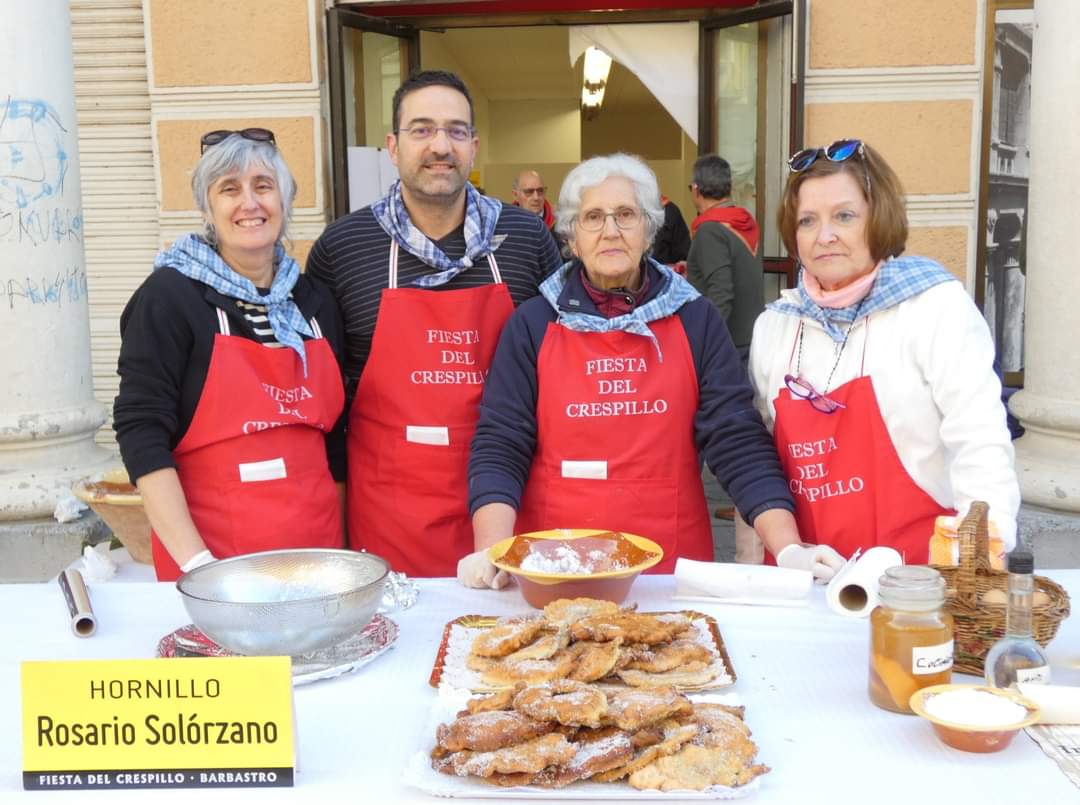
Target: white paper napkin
{"type": "Point", "coordinates": [1058, 704]}
{"type": "Point", "coordinates": [730, 583]}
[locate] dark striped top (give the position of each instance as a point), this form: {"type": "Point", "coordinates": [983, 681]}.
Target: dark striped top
{"type": "Point", "coordinates": [352, 257]}
{"type": "Point", "coordinates": [257, 317]}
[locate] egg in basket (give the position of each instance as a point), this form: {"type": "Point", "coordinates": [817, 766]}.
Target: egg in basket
{"type": "Point", "coordinates": [575, 563]}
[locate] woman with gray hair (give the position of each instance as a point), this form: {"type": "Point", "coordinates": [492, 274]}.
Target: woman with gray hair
{"type": "Point", "coordinates": [606, 387]}
{"type": "Point", "coordinates": [229, 411]}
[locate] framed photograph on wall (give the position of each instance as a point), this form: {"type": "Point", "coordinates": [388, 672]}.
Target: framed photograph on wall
{"type": "Point", "coordinates": [1001, 269]}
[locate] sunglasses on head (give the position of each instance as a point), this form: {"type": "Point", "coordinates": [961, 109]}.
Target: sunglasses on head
{"type": "Point", "coordinates": [838, 151]}
{"type": "Point", "coordinates": [212, 138]}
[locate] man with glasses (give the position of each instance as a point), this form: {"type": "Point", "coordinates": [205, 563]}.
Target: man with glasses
{"type": "Point", "coordinates": [531, 194]}
{"type": "Point", "coordinates": [724, 263]}
{"type": "Point", "coordinates": [426, 277]}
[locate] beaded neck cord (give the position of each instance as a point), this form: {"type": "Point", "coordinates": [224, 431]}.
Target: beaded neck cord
{"type": "Point", "coordinates": [839, 352]}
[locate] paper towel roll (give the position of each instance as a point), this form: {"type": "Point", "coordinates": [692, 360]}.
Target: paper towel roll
{"type": "Point", "coordinates": [1058, 704]}
{"type": "Point", "coordinates": [853, 591]}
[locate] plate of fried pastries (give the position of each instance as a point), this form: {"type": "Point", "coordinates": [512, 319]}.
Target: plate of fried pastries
{"type": "Point", "coordinates": [576, 740]}
{"type": "Point", "coordinates": [584, 640]}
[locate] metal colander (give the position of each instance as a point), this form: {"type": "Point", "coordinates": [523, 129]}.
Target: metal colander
{"type": "Point", "coordinates": [287, 602]}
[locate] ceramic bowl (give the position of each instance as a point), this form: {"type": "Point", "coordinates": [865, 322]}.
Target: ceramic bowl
{"type": "Point", "coordinates": [113, 498]}
{"type": "Point", "coordinates": [540, 589]}
{"type": "Point", "coordinates": [968, 737]}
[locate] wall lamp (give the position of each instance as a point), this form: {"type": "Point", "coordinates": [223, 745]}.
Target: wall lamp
{"type": "Point", "coordinates": [597, 67]}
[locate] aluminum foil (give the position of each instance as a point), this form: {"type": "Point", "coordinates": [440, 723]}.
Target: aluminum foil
{"type": "Point", "coordinates": [399, 593]}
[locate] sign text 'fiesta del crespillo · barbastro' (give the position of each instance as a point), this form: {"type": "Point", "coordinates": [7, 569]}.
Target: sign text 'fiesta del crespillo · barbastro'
{"type": "Point", "coordinates": [187, 723]}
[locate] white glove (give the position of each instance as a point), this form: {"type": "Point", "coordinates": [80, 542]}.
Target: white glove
{"type": "Point", "coordinates": [203, 557]}
{"type": "Point", "coordinates": [476, 570]}
{"type": "Point", "coordinates": [821, 560]}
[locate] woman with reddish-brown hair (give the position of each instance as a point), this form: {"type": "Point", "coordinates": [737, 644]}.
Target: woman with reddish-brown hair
{"type": "Point", "coordinates": [876, 373]}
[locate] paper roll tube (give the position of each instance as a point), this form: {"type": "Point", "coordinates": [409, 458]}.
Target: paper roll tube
{"type": "Point", "coordinates": [1058, 704]}
{"type": "Point", "coordinates": [854, 590]}
{"type": "Point", "coordinates": [83, 623]}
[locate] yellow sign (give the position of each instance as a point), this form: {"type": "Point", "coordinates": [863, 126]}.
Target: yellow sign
{"type": "Point", "coordinates": [183, 723]}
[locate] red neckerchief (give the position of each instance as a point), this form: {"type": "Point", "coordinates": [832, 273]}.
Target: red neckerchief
{"type": "Point", "coordinates": [737, 219]}
{"type": "Point", "coordinates": [617, 301]}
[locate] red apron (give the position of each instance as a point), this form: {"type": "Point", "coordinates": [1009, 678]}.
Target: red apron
{"type": "Point", "coordinates": [850, 489]}
{"type": "Point", "coordinates": [413, 419]}
{"type": "Point", "coordinates": [253, 462]}
{"type": "Point", "coordinates": [615, 440]}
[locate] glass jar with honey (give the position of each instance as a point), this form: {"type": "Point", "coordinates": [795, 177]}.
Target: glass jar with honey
{"type": "Point", "coordinates": [911, 636]}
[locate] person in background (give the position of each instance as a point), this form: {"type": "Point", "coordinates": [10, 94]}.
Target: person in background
{"type": "Point", "coordinates": [607, 387]}
{"type": "Point", "coordinates": [876, 374]}
{"type": "Point", "coordinates": [229, 415]}
{"type": "Point", "coordinates": [672, 242]}
{"type": "Point", "coordinates": [426, 278]}
{"type": "Point", "coordinates": [530, 194]}
{"type": "Point", "coordinates": [724, 263]}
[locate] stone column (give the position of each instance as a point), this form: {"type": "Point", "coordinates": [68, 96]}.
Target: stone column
{"type": "Point", "coordinates": [1048, 455]}
{"type": "Point", "coordinates": [48, 415]}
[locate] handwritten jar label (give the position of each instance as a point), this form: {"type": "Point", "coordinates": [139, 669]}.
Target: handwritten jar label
{"type": "Point", "coordinates": [1039, 675]}
{"type": "Point", "coordinates": [932, 659]}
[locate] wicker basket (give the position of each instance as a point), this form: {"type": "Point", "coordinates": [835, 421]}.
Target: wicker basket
{"type": "Point", "coordinates": [977, 624]}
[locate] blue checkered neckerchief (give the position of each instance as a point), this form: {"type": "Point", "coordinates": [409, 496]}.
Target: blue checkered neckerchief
{"type": "Point", "coordinates": [195, 258]}
{"type": "Point", "coordinates": [899, 279]}
{"type": "Point", "coordinates": [481, 215]}
{"type": "Point", "coordinates": [674, 293]}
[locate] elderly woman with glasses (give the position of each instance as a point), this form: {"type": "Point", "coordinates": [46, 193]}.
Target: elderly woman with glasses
{"type": "Point", "coordinates": [607, 387]}
{"type": "Point", "coordinates": [229, 411]}
{"type": "Point", "coordinates": [876, 373]}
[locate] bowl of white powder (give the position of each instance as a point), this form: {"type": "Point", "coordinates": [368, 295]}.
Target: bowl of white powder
{"type": "Point", "coordinates": [575, 563]}
{"type": "Point", "coordinates": [975, 718]}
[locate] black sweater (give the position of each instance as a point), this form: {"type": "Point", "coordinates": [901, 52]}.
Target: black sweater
{"type": "Point", "coordinates": [167, 332]}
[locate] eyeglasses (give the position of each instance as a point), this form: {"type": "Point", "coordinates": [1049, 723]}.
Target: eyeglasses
{"type": "Point", "coordinates": [212, 138]}
{"type": "Point", "coordinates": [838, 151]}
{"type": "Point", "coordinates": [424, 131]}
{"type": "Point", "coordinates": [801, 388]}
{"type": "Point", "coordinates": [624, 218]}
{"type": "Point", "coordinates": [532, 191]}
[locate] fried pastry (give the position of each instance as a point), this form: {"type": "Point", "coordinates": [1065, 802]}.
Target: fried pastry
{"type": "Point", "coordinates": [634, 708]}
{"type": "Point", "coordinates": [675, 737]}
{"type": "Point", "coordinates": [485, 732]}
{"type": "Point", "coordinates": [632, 627]}
{"type": "Point", "coordinates": [667, 657]}
{"type": "Point", "coordinates": [695, 768]}
{"type": "Point", "coordinates": [567, 611]}
{"type": "Point", "coordinates": [500, 700]}
{"type": "Point", "coordinates": [691, 675]}
{"type": "Point", "coordinates": [569, 703]}
{"type": "Point", "coordinates": [724, 731]}
{"type": "Point", "coordinates": [596, 751]}
{"type": "Point", "coordinates": [528, 757]}
{"type": "Point", "coordinates": [544, 647]}
{"type": "Point", "coordinates": [509, 672]}
{"type": "Point", "coordinates": [506, 638]}
{"type": "Point", "coordinates": [594, 661]}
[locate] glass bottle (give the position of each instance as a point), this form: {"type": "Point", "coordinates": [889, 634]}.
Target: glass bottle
{"type": "Point", "coordinates": [1017, 657]}
{"type": "Point", "coordinates": [911, 636]}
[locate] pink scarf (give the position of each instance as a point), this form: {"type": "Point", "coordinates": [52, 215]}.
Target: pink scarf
{"type": "Point", "coordinates": [842, 297]}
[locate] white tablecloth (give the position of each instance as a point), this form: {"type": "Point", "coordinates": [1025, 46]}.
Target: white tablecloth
{"type": "Point", "coordinates": [801, 674]}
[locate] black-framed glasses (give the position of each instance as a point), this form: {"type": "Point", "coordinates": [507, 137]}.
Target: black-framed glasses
{"type": "Point", "coordinates": [624, 218]}
{"type": "Point", "coordinates": [532, 191]}
{"type": "Point", "coordinates": [801, 388]}
{"type": "Point", "coordinates": [836, 151]}
{"type": "Point", "coordinates": [426, 131]}
{"type": "Point", "coordinates": [212, 138]}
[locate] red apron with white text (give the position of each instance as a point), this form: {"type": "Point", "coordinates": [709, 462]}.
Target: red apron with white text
{"type": "Point", "coordinates": [413, 419]}
{"type": "Point", "coordinates": [851, 490]}
{"type": "Point", "coordinates": [615, 440]}
{"type": "Point", "coordinates": [253, 462]}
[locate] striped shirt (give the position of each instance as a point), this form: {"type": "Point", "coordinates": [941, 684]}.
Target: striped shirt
{"type": "Point", "coordinates": [352, 257]}
{"type": "Point", "coordinates": [257, 317]}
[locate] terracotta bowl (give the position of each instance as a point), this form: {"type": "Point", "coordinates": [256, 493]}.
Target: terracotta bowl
{"type": "Point", "coordinates": [967, 737]}
{"type": "Point", "coordinates": [540, 589]}
{"type": "Point", "coordinates": [113, 498]}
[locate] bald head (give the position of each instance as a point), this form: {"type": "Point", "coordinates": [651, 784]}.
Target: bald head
{"type": "Point", "coordinates": [529, 191]}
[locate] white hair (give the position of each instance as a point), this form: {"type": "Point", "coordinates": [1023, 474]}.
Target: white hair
{"type": "Point", "coordinates": [594, 171]}
{"type": "Point", "coordinates": [236, 154]}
